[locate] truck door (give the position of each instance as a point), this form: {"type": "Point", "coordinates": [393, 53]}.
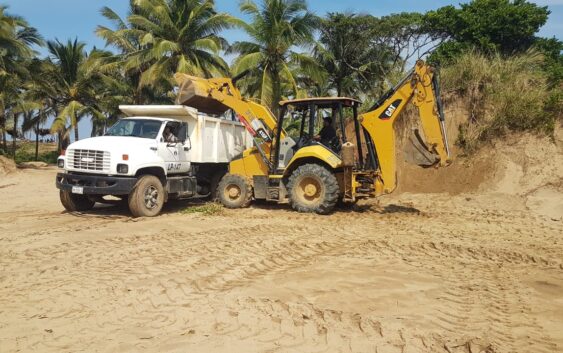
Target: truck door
{"type": "Point", "coordinates": [171, 149]}
{"type": "Point", "coordinates": [185, 147]}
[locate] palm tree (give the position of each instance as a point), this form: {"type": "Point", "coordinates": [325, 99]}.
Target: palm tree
{"type": "Point", "coordinates": [74, 75]}
{"type": "Point", "coordinates": [126, 78]}
{"type": "Point", "coordinates": [16, 41]}
{"type": "Point", "coordinates": [121, 82]}
{"type": "Point", "coordinates": [168, 36]}
{"type": "Point", "coordinates": [277, 27]}
{"type": "Point", "coordinates": [353, 66]}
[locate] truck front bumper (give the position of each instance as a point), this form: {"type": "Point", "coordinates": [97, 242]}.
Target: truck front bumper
{"type": "Point", "coordinates": [96, 184]}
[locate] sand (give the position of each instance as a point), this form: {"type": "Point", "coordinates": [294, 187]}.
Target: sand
{"type": "Point", "coordinates": [474, 269]}
{"type": "Point", "coordinates": [7, 166]}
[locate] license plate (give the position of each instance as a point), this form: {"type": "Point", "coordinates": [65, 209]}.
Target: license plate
{"type": "Point", "coordinates": [77, 190]}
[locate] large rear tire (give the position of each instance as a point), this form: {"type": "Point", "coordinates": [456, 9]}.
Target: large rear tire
{"type": "Point", "coordinates": [147, 197]}
{"type": "Point", "coordinates": [313, 188]}
{"type": "Point", "coordinates": [234, 191]}
{"type": "Point", "coordinates": [75, 203]}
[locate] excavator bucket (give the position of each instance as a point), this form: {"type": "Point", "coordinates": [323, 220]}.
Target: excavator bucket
{"type": "Point", "coordinates": [194, 92]}
{"type": "Point", "coordinates": [417, 152]}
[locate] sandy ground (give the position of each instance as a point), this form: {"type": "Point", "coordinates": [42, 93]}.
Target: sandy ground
{"type": "Point", "coordinates": [473, 272]}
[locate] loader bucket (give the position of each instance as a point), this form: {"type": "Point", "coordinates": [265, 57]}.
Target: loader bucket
{"type": "Point", "coordinates": [417, 152]}
{"type": "Point", "coordinates": [193, 92]}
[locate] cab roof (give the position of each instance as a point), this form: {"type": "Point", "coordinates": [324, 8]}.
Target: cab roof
{"type": "Point", "coordinates": [347, 101]}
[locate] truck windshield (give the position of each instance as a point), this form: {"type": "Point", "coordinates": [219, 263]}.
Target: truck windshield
{"type": "Point", "coordinates": [136, 128]}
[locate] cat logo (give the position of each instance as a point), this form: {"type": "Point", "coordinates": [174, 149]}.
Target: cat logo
{"type": "Point", "coordinates": [388, 112]}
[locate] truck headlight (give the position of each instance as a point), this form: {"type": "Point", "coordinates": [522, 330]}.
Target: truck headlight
{"type": "Point", "coordinates": [60, 163]}
{"type": "Point", "coordinates": [122, 168]}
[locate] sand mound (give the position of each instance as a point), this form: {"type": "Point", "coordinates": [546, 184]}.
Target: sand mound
{"type": "Point", "coordinates": [7, 165]}
{"type": "Point", "coordinates": [33, 165]}
{"type": "Point", "coordinates": [525, 165]}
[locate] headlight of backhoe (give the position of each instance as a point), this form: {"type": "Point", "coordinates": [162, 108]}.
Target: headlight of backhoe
{"type": "Point", "coordinates": [61, 163]}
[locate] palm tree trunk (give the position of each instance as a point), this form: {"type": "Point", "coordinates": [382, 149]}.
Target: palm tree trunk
{"type": "Point", "coordinates": [59, 142]}
{"type": "Point", "coordinates": [3, 127]}
{"type": "Point", "coordinates": [37, 141]}
{"type": "Point", "coordinates": [15, 136]}
{"type": "Point", "coordinates": [276, 91]}
{"type": "Point", "coordinates": [76, 132]}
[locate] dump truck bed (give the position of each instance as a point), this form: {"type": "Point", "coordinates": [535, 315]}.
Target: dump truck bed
{"type": "Point", "coordinates": [212, 138]}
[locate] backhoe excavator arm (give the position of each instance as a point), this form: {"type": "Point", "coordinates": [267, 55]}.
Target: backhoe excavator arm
{"type": "Point", "coordinates": [217, 95]}
{"type": "Point", "coordinates": [421, 87]}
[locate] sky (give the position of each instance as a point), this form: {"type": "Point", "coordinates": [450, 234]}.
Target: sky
{"type": "Point", "coordinates": [69, 19]}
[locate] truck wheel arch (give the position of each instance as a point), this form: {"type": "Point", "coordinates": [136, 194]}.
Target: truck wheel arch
{"type": "Point", "coordinates": [156, 171]}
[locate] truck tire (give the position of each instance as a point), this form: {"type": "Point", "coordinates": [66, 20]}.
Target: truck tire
{"type": "Point", "coordinates": [73, 202]}
{"type": "Point", "coordinates": [147, 197]}
{"type": "Point", "coordinates": [214, 186]}
{"type": "Point", "coordinates": [234, 191]}
{"type": "Point", "coordinates": [313, 188]}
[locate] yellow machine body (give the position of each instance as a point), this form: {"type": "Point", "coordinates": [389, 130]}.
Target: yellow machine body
{"type": "Point", "coordinates": [375, 176]}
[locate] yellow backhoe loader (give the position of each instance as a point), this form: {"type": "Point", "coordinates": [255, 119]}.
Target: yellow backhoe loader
{"type": "Point", "coordinates": [294, 165]}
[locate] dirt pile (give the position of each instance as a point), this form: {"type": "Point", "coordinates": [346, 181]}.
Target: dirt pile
{"type": "Point", "coordinates": [532, 168]}
{"type": "Point", "coordinates": [33, 165]}
{"type": "Point", "coordinates": [518, 164]}
{"type": "Point", "coordinates": [7, 165]}
{"type": "Point", "coordinates": [524, 165]}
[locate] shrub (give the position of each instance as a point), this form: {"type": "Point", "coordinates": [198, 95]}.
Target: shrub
{"type": "Point", "coordinates": [47, 157]}
{"type": "Point", "coordinates": [208, 209]}
{"type": "Point", "coordinates": [502, 93]}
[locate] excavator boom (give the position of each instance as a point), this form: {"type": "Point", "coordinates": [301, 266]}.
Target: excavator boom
{"type": "Point", "coordinates": [422, 88]}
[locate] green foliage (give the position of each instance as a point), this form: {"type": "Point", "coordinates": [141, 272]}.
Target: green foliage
{"type": "Point", "coordinates": [168, 36]}
{"type": "Point", "coordinates": [502, 94]}
{"type": "Point", "coordinates": [490, 26]}
{"type": "Point", "coordinates": [553, 65]}
{"type": "Point", "coordinates": [73, 76]}
{"type": "Point", "coordinates": [351, 65]}
{"type": "Point", "coordinates": [16, 53]}
{"type": "Point", "coordinates": [47, 157]}
{"type": "Point", "coordinates": [276, 28]}
{"type": "Point", "coordinates": [208, 209]}
{"type": "Point", "coordinates": [375, 59]}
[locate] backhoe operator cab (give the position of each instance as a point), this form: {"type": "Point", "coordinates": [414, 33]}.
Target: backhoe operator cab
{"type": "Point", "coordinates": [290, 164]}
{"type": "Point", "coordinates": [304, 122]}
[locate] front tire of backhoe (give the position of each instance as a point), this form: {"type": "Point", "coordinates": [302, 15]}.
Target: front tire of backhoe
{"type": "Point", "coordinates": [313, 188]}
{"type": "Point", "coordinates": [75, 203]}
{"type": "Point", "coordinates": [147, 197]}
{"type": "Point", "coordinates": [234, 191]}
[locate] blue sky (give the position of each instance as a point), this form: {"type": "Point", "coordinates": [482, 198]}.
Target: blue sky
{"type": "Point", "coordinates": [68, 19]}
{"type": "Point", "coordinates": [64, 19]}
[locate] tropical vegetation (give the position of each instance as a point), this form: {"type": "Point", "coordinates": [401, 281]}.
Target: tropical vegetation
{"type": "Point", "coordinates": [489, 52]}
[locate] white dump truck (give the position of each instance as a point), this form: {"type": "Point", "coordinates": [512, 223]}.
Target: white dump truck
{"type": "Point", "coordinates": [155, 154]}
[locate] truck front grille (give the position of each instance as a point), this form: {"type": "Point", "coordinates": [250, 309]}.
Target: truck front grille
{"type": "Point", "coordinates": [88, 160]}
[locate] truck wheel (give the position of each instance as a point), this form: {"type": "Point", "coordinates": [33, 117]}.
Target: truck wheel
{"type": "Point", "coordinates": [234, 191]}
{"type": "Point", "coordinates": [147, 197]}
{"type": "Point", "coordinates": [214, 186]}
{"type": "Point", "coordinates": [73, 202]}
{"type": "Point", "coordinates": [313, 188]}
